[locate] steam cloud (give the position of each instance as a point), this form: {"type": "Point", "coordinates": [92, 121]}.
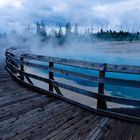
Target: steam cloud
{"type": "Point", "coordinates": [99, 51]}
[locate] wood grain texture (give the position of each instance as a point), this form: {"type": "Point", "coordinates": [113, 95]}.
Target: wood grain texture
{"type": "Point", "coordinates": [25, 114]}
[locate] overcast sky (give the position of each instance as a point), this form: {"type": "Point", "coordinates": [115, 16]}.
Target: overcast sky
{"type": "Point", "coordinates": [97, 13]}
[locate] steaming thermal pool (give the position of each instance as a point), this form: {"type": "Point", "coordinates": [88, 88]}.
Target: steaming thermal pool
{"type": "Point", "coordinates": [101, 52]}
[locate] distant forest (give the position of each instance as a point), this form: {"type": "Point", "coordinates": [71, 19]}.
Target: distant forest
{"type": "Point", "coordinates": [59, 37]}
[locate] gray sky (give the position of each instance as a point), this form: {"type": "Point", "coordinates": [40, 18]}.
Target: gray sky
{"type": "Point", "coordinates": [97, 13]}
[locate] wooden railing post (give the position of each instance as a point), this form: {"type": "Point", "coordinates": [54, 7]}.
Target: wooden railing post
{"type": "Point", "coordinates": [51, 76]}
{"type": "Point", "coordinates": [101, 104]}
{"type": "Point", "coordinates": [6, 59]}
{"type": "Point", "coordinates": [21, 68]}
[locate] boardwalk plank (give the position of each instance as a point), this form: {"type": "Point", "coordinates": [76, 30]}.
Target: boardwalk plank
{"type": "Point", "coordinates": [121, 131]}
{"type": "Point", "coordinates": [25, 114]}
{"type": "Point", "coordinates": [22, 107]}
{"type": "Point", "coordinates": [42, 130]}
{"type": "Point", "coordinates": [30, 119]}
{"type": "Point", "coordinates": [5, 101]}
{"type": "Point", "coordinates": [93, 125]}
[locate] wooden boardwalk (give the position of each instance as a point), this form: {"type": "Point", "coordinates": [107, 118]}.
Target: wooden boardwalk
{"type": "Point", "coordinates": [25, 114]}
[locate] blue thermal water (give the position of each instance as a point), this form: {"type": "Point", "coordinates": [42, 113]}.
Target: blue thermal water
{"type": "Point", "coordinates": [133, 93]}
{"type": "Point", "coordinates": [126, 58]}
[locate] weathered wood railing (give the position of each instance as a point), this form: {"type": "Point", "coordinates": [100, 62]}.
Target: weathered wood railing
{"type": "Point", "coordinates": [17, 60]}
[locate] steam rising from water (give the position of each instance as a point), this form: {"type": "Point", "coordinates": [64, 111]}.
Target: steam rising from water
{"type": "Point", "coordinates": [103, 52]}
{"type": "Point", "coordinates": [115, 52]}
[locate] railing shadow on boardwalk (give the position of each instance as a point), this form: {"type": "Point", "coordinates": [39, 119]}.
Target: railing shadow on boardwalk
{"type": "Point", "coordinates": [18, 59]}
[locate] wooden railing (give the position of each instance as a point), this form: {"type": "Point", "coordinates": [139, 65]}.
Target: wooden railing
{"type": "Point", "coordinates": [16, 62]}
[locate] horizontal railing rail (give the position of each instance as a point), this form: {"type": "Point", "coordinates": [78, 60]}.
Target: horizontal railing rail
{"type": "Point", "coordinates": [88, 65]}
{"type": "Point", "coordinates": [17, 61]}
